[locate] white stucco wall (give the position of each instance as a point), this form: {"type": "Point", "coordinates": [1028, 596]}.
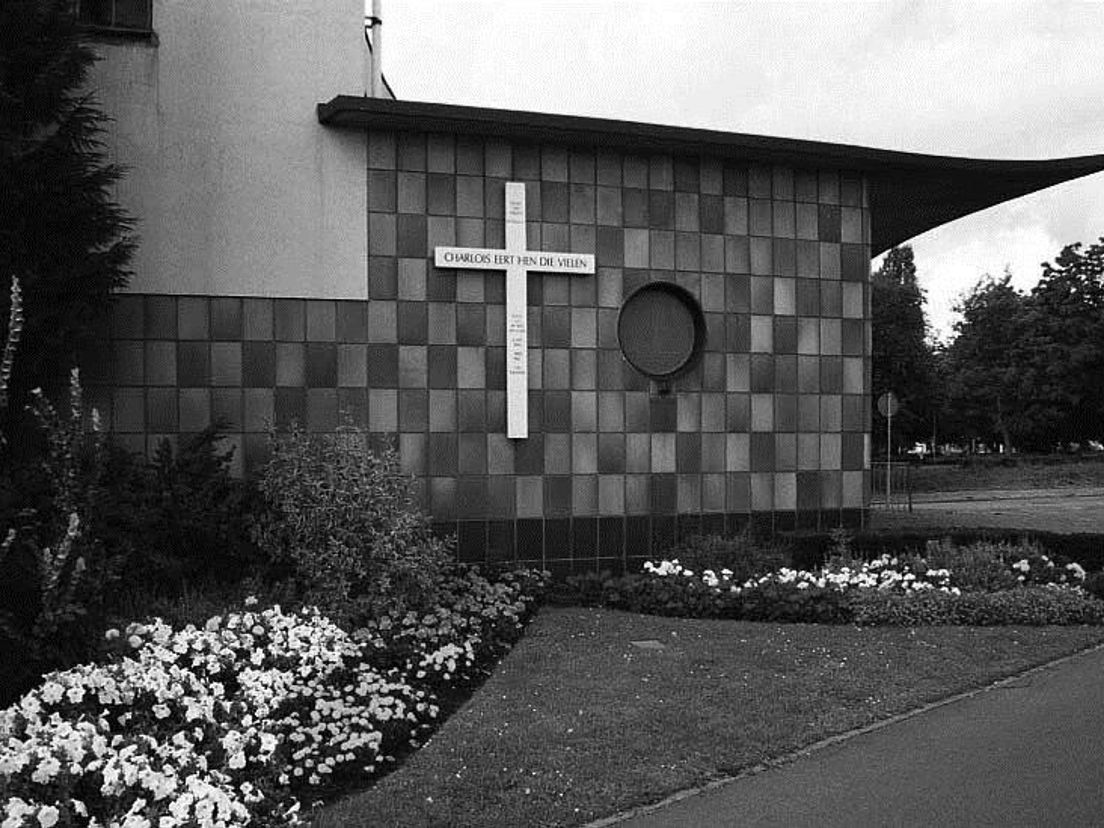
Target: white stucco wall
{"type": "Point", "coordinates": [237, 187]}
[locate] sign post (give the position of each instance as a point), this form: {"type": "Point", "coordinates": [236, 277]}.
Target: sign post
{"type": "Point", "coordinates": [518, 263]}
{"type": "Point", "coordinates": [887, 407]}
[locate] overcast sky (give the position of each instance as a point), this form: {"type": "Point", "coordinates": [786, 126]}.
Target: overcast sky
{"type": "Point", "coordinates": [988, 80]}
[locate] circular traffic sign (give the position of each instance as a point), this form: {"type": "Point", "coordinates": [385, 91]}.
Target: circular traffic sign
{"type": "Point", "coordinates": [888, 404]}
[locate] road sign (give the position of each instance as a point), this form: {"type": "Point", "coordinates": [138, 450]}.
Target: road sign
{"type": "Point", "coordinates": [888, 405]}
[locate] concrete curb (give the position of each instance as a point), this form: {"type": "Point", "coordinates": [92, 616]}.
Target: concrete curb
{"type": "Point", "coordinates": [829, 741]}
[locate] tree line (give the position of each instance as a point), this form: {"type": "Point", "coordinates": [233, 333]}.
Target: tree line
{"type": "Point", "coordinates": [1024, 369]}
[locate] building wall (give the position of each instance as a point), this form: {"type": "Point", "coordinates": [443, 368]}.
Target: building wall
{"type": "Point", "coordinates": [236, 188]}
{"type": "Point", "coordinates": [771, 426]}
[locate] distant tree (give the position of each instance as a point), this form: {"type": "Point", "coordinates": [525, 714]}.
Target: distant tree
{"type": "Point", "coordinates": [1061, 357]}
{"type": "Point", "coordinates": [61, 232]}
{"type": "Point", "coordinates": [902, 355]}
{"type": "Point", "coordinates": [983, 381]}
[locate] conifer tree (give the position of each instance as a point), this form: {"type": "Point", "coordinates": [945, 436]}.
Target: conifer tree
{"type": "Point", "coordinates": [61, 232]}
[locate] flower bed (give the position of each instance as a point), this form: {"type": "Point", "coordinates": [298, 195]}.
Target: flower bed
{"type": "Point", "coordinates": [239, 721]}
{"type": "Point", "coordinates": [989, 584]}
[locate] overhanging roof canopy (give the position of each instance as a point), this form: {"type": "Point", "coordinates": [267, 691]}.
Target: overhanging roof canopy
{"type": "Point", "coordinates": [909, 193]}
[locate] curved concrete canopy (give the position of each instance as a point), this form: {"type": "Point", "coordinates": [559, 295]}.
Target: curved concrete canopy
{"type": "Point", "coordinates": [909, 193]}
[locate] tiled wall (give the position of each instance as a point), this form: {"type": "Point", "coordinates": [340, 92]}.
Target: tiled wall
{"type": "Point", "coordinates": [773, 422]}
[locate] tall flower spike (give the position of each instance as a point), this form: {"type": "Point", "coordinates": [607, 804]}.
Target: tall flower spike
{"type": "Point", "coordinates": [15, 329]}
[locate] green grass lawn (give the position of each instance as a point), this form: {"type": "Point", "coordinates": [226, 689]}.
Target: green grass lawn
{"type": "Point", "coordinates": [1044, 472]}
{"type": "Point", "coordinates": [577, 723]}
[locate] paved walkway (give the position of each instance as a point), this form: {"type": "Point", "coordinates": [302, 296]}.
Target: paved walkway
{"type": "Point", "coordinates": [1029, 752]}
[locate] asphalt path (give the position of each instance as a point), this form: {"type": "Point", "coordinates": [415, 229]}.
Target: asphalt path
{"type": "Point", "coordinates": [1027, 752]}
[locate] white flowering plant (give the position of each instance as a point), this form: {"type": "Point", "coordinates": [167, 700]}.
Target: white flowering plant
{"type": "Point", "coordinates": [233, 723]}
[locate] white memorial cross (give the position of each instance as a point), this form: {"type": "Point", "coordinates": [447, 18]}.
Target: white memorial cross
{"type": "Point", "coordinates": [518, 263]}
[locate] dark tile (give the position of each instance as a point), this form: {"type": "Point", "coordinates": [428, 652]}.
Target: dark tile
{"type": "Point", "coordinates": [852, 337]}
{"type": "Point", "coordinates": [472, 411]}
{"type": "Point", "coordinates": [530, 539]}
{"type": "Point", "coordinates": [555, 202]}
{"type": "Point", "coordinates": [193, 364]}
{"type": "Point", "coordinates": [471, 324]}
{"type": "Point", "coordinates": [661, 210]}
{"type": "Point", "coordinates": [557, 496]}
{"type": "Point", "coordinates": [351, 323]}
{"type": "Point", "coordinates": [442, 366]}
{"type": "Point", "coordinates": [831, 375]}
{"type": "Point", "coordinates": [290, 407]}
{"type": "Point", "coordinates": [663, 413]}
{"type": "Point", "coordinates": [442, 455]}
{"type": "Point", "coordinates": [584, 538]}
{"type": "Point", "coordinates": [762, 373]}
{"type": "Point", "coordinates": [322, 409]}
{"type": "Point", "coordinates": [687, 175]}
{"type": "Point", "coordinates": [829, 222]}
{"type": "Point", "coordinates": [635, 208]}
{"type": "Point", "coordinates": [611, 453]}
{"type": "Point", "coordinates": [610, 247]}
{"type": "Point", "coordinates": [557, 539]}
{"type": "Point", "coordinates": [410, 233]}
{"type": "Point", "coordinates": [471, 542]}
{"type": "Point", "coordinates": [500, 540]}
{"type": "Point", "coordinates": [688, 452]}
{"type": "Point", "coordinates": [711, 209]}
{"type": "Point", "coordinates": [664, 495]}
{"type": "Point", "coordinates": [469, 156]}
{"type": "Point", "coordinates": [831, 299]}
{"type": "Point", "coordinates": [192, 317]}
{"type": "Point", "coordinates": [638, 536]}
{"type": "Point", "coordinates": [382, 277]}
{"type": "Point", "coordinates": [687, 526]}
{"type": "Point", "coordinates": [441, 285]}
{"type": "Point", "coordinates": [383, 366]}
{"type": "Point", "coordinates": [411, 151]}
{"type": "Point", "coordinates": [663, 534]}
{"type": "Point", "coordinates": [762, 451]}
{"type": "Point", "coordinates": [785, 412]}
{"type": "Point", "coordinates": [785, 335]}
{"type": "Point", "coordinates": [441, 194]}
{"type": "Point", "coordinates": [854, 263]}
{"type": "Point", "coordinates": [738, 336]}
{"type": "Point", "coordinates": [556, 330]}
{"type": "Point", "coordinates": [160, 317]}
{"type": "Point", "coordinates": [413, 325]}
{"type": "Point", "coordinates": [735, 178]}
{"type": "Point", "coordinates": [414, 411]}
{"type": "Point", "coordinates": [321, 365]}
{"type": "Point", "coordinates": [161, 413]}
{"type": "Point", "coordinates": [529, 455]}
{"type": "Point", "coordinates": [381, 191]}
{"type": "Point", "coordinates": [495, 368]}
{"type": "Point", "coordinates": [471, 502]}
{"type": "Point", "coordinates": [851, 190]}
{"type": "Point", "coordinates": [785, 257]}
{"type": "Point", "coordinates": [785, 374]}
{"type": "Point", "coordinates": [611, 538]}
{"type": "Point", "coordinates": [557, 411]}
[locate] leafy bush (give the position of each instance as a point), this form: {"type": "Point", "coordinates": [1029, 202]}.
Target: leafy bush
{"type": "Point", "coordinates": [741, 554]}
{"type": "Point", "coordinates": [1094, 584]}
{"type": "Point", "coordinates": [981, 566]}
{"type": "Point", "coordinates": [345, 517]}
{"type": "Point", "coordinates": [1032, 606]}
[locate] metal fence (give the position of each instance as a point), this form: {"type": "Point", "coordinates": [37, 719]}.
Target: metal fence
{"type": "Point", "coordinates": [900, 486]}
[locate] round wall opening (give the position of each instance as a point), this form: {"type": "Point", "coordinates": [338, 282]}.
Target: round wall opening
{"type": "Point", "coordinates": [661, 330]}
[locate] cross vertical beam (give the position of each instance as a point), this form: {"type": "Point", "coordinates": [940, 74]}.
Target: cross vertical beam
{"type": "Point", "coordinates": [518, 263]}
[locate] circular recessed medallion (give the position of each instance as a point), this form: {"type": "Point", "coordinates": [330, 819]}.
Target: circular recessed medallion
{"type": "Point", "coordinates": [661, 330]}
